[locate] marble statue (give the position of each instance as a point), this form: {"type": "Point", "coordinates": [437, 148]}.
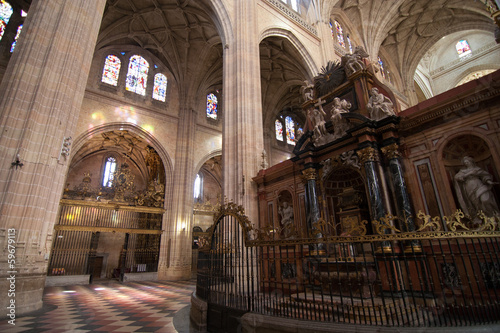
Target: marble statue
{"type": "Point", "coordinates": [317, 118]}
{"type": "Point", "coordinates": [379, 106]}
{"type": "Point", "coordinates": [354, 62]}
{"type": "Point", "coordinates": [340, 124]}
{"type": "Point", "coordinates": [307, 91]}
{"type": "Point", "coordinates": [473, 187]}
{"type": "Point", "coordinates": [286, 213]}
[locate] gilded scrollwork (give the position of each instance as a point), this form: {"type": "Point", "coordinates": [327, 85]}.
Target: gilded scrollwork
{"type": "Point", "coordinates": [434, 223]}
{"type": "Point", "coordinates": [455, 220]}
{"type": "Point", "coordinates": [384, 224]}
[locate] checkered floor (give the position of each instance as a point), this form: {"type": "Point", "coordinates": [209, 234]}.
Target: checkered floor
{"type": "Point", "coordinates": [111, 307]}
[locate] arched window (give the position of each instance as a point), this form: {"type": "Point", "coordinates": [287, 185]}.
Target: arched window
{"type": "Point", "coordinates": [290, 130]}
{"type": "Point", "coordinates": [160, 87]}
{"type": "Point", "coordinates": [137, 75]}
{"type": "Point", "coordinates": [212, 106]}
{"type": "Point", "coordinates": [109, 169]}
{"type": "Point", "coordinates": [341, 36]}
{"type": "Point", "coordinates": [349, 44]}
{"type": "Point", "coordinates": [19, 28]}
{"type": "Point", "coordinates": [111, 70]}
{"type": "Point", "coordinates": [463, 48]}
{"type": "Point", "coordinates": [198, 188]}
{"type": "Point", "coordinates": [5, 14]}
{"type": "Point", "coordinates": [384, 70]}
{"type": "Point", "coordinates": [287, 127]}
{"type": "Point", "coordinates": [338, 32]}
{"type": "Point", "coordinates": [278, 125]}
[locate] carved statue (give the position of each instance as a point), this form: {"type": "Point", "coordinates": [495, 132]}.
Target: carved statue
{"type": "Point", "coordinates": [317, 118]}
{"type": "Point", "coordinates": [286, 213]}
{"type": "Point", "coordinates": [340, 125]}
{"type": "Point", "coordinates": [307, 91]}
{"type": "Point", "coordinates": [354, 62]}
{"type": "Point", "coordinates": [350, 158]}
{"type": "Point", "coordinates": [379, 105]}
{"type": "Point", "coordinates": [264, 164]}
{"type": "Point", "coordinates": [473, 187]}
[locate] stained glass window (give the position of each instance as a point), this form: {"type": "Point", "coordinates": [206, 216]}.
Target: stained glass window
{"type": "Point", "coordinates": [349, 43]}
{"type": "Point", "coordinates": [290, 130]}
{"type": "Point", "coordinates": [5, 14]}
{"type": "Point", "coordinates": [109, 168]}
{"type": "Point", "coordinates": [279, 130]}
{"type": "Point", "coordinates": [198, 187]}
{"type": "Point", "coordinates": [340, 34]}
{"type": "Point", "coordinates": [160, 87]}
{"type": "Point", "coordinates": [463, 48]}
{"type": "Point", "coordinates": [111, 70]}
{"type": "Point", "coordinates": [15, 39]}
{"type": "Point", "coordinates": [212, 106]}
{"type": "Point", "coordinates": [137, 75]}
{"type": "Point", "coordinates": [382, 69]}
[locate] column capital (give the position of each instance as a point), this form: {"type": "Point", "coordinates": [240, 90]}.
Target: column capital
{"type": "Point", "coordinates": [309, 174]}
{"type": "Point", "coordinates": [368, 154]}
{"type": "Point", "coordinates": [391, 151]}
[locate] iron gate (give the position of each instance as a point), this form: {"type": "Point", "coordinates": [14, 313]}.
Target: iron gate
{"type": "Point", "coordinates": [231, 271]}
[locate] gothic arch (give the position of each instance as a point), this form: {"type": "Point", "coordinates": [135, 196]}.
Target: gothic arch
{"type": "Point", "coordinates": [407, 75]}
{"type": "Point", "coordinates": [165, 157]}
{"type": "Point", "coordinates": [205, 158]}
{"type": "Point", "coordinates": [470, 70]}
{"type": "Point", "coordinates": [311, 67]}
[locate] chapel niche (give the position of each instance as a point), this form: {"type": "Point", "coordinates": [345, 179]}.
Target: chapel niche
{"type": "Point", "coordinates": [345, 197]}
{"type": "Point", "coordinates": [453, 160]}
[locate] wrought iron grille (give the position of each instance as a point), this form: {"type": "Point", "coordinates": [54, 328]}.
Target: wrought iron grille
{"type": "Point", "coordinates": [426, 278]}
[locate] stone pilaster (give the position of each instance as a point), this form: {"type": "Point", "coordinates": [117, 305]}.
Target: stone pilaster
{"type": "Point", "coordinates": [242, 132]}
{"type": "Point", "coordinates": [40, 99]}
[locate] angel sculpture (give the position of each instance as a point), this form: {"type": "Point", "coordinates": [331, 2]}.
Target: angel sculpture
{"type": "Point", "coordinates": [354, 62]}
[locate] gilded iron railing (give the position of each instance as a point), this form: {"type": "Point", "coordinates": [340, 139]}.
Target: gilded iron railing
{"type": "Point", "coordinates": [430, 277]}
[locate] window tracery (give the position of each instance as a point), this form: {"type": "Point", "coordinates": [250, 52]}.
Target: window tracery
{"type": "Point", "coordinates": [137, 76]}
{"type": "Point", "coordinates": [287, 129]}
{"type": "Point", "coordinates": [341, 36]}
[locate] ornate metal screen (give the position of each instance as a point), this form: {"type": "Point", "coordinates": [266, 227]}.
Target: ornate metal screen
{"type": "Point", "coordinates": [80, 227]}
{"type": "Point", "coordinates": [427, 278]}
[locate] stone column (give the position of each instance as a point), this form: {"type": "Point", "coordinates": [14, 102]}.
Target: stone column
{"type": "Point", "coordinates": [40, 98]}
{"type": "Point", "coordinates": [402, 199]}
{"type": "Point", "coordinates": [176, 242]}
{"type": "Point", "coordinates": [242, 132]}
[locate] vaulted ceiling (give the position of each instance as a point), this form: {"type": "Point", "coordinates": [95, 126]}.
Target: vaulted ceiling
{"type": "Point", "coordinates": [185, 36]}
